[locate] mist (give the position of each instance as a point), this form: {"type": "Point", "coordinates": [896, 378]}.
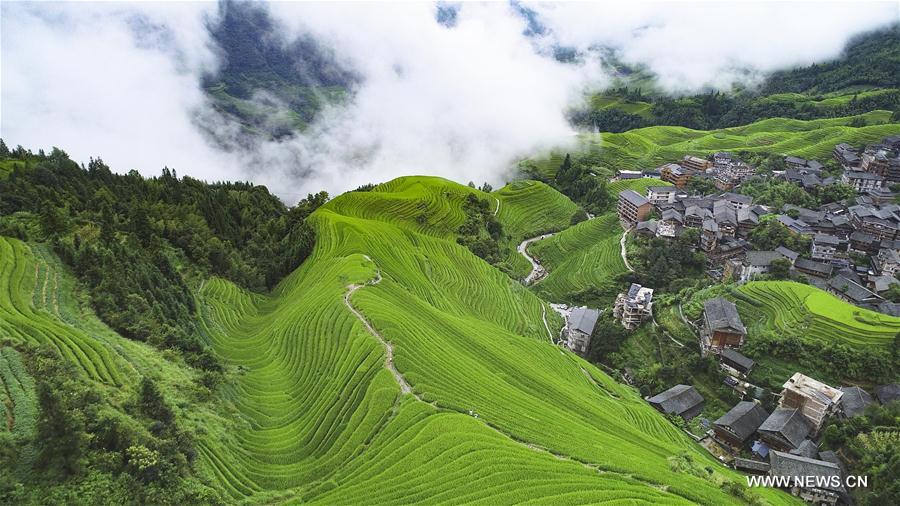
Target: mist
{"type": "Point", "coordinates": [465, 101]}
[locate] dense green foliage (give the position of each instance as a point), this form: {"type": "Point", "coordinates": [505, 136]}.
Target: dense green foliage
{"type": "Point", "coordinates": [662, 263]}
{"type": "Point", "coordinates": [870, 60]}
{"type": "Point", "coordinates": [771, 233]}
{"type": "Point", "coordinates": [871, 444]}
{"type": "Point", "coordinates": [129, 238]}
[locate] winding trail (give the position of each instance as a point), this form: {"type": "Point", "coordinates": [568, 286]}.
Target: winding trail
{"type": "Point", "coordinates": [537, 270]}
{"type": "Point", "coordinates": [388, 347]}
{"type": "Point", "coordinates": [498, 206]}
{"type": "Point", "coordinates": [622, 246]}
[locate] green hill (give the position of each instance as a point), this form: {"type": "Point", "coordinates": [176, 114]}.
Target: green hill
{"type": "Point", "coordinates": [652, 146]}
{"type": "Point", "coordinates": [793, 325]}
{"type": "Point", "coordinates": [586, 256]}
{"type": "Point", "coordinates": [392, 366]}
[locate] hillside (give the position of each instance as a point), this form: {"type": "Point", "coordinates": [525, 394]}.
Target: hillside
{"type": "Point", "coordinates": [652, 146]}
{"type": "Point", "coordinates": [785, 318]}
{"type": "Point", "coordinates": [392, 366]}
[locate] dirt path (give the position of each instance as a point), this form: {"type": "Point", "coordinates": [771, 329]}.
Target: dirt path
{"type": "Point", "coordinates": [388, 347]}
{"type": "Point", "coordinates": [537, 270]}
{"type": "Point", "coordinates": [498, 206]}
{"type": "Point", "coordinates": [624, 254]}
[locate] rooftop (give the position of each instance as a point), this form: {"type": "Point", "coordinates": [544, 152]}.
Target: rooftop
{"type": "Point", "coordinates": [743, 419]}
{"type": "Point", "coordinates": [855, 400]}
{"type": "Point", "coordinates": [785, 464]}
{"type": "Point", "coordinates": [809, 387]}
{"type": "Point", "coordinates": [677, 399]}
{"type": "Point", "coordinates": [633, 197]}
{"type": "Point", "coordinates": [722, 314]}
{"type": "Point", "coordinates": [789, 423]}
{"type": "Point", "coordinates": [583, 319]}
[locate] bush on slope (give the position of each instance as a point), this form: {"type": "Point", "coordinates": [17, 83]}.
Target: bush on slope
{"type": "Point", "coordinates": [322, 419]}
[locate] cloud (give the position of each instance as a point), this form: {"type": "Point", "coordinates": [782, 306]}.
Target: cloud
{"type": "Point", "coordinates": [691, 45]}
{"type": "Point", "coordinates": [111, 81]}
{"type": "Point", "coordinates": [122, 80]}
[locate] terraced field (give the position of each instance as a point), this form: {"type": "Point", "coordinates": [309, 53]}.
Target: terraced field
{"type": "Point", "coordinates": [587, 255]}
{"type": "Point", "coordinates": [649, 147]}
{"type": "Point", "coordinates": [788, 308]}
{"type": "Point", "coordinates": [29, 312]}
{"type": "Point", "coordinates": [584, 256]}
{"type": "Point", "coordinates": [528, 209]}
{"type": "Point", "coordinates": [495, 413]}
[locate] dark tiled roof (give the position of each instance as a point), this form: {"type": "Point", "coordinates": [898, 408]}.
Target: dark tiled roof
{"type": "Point", "coordinates": [786, 253]}
{"type": "Point", "coordinates": [743, 419]}
{"type": "Point", "coordinates": [583, 319]}
{"type": "Point", "coordinates": [806, 449]}
{"type": "Point", "coordinates": [677, 399]}
{"type": "Point", "coordinates": [738, 359]}
{"type": "Point", "coordinates": [819, 268]}
{"type": "Point", "coordinates": [826, 239]}
{"type": "Point", "coordinates": [887, 393]}
{"type": "Point", "coordinates": [762, 258]}
{"type": "Point", "coordinates": [855, 400]}
{"type": "Point", "coordinates": [789, 423]}
{"type": "Point", "coordinates": [852, 290]}
{"type": "Point", "coordinates": [634, 197]}
{"type": "Point", "coordinates": [751, 465]}
{"type": "Point", "coordinates": [785, 464]}
{"type": "Point", "coordinates": [721, 314]}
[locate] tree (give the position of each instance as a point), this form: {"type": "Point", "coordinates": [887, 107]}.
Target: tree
{"type": "Point", "coordinates": [4, 150]}
{"type": "Point", "coordinates": [780, 268]}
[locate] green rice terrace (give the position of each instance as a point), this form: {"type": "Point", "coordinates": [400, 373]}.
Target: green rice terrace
{"type": "Point", "coordinates": [587, 255]}
{"type": "Point", "coordinates": [797, 326]}
{"type": "Point", "coordinates": [584, 256]}
{"type": "Point", "coordinates": [650, 147]}
{"type": "Point", "coordinates": [789, 308]}
{"type": "Point", "coordinates": [393, 366]}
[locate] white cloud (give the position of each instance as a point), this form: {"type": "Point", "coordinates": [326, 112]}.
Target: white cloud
{"type": "Point", "coordinates": [76, 77]}
{"type": "Point", "coordinates": [121, 80]}
{"type": "Point", "coordinates": [691, 45]}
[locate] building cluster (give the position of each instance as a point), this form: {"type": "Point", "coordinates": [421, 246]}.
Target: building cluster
{"type": "Point", "coordinates": [875, 166]}
{"type": "Point", "coordinates": [784, 442]}
{"type": "Point", "coordinates": [854, 247]}
{"type": "Point", "coordinates": [723, 169]}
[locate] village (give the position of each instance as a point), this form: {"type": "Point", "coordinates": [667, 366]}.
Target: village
{"type": "Point", "coordinates": [854, 253]}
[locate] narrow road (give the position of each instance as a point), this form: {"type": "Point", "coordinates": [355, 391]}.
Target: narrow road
{"type": "Point", "coordinates": [388, 347]}
{"type": "Point", "coordinates": [625, 255]}
{"type": "Point", "coordinates": [498, 206]}
{"type": "Point", "coordinates": [537, 270]}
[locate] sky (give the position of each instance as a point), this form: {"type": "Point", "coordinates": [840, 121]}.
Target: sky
{"type": "Point", "coordinates": [121, 80]}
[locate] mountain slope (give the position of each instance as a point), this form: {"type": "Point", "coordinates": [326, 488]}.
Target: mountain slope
{"type": "Point", "coordinates": [495, 413]}
{"type": "Point", "coordinates": [652, 146]}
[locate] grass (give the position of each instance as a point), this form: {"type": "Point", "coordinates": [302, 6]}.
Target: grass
{"type": "Point", "coordinates": [529, 209]}
{"type": "Point", "coordinates": [788, 308]}
{"type": "Point", "coordinates": [650, 147]}
{"type": "Point", "coordinates": [587, 255]}
{"type": "Point", "coordinates": [311, 412]}
{"type": "Point", "coordinates": [581, 257]}
{"type": "Point", "coordinates": [497, 413]}
{"type": "Point", "coordinates": [639, 108]}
